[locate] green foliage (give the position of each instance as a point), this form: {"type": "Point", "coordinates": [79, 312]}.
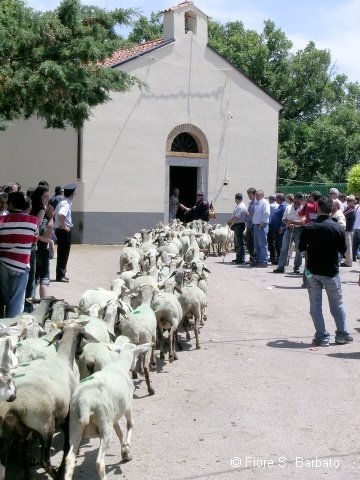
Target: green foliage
{"type": "Point", "coordinates": [50, 63]}
{"type": "Point", "coordinates": [145, 30]}
{"type": "Point", "coordinates": [319, 130]}
{"type": "Point", "coordinates": [353, 179]}
{"type": "Point", "coordinates": [320, 123]}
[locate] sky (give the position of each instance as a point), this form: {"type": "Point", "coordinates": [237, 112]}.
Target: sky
{"type": "Point", "coordinates": [331, 24]}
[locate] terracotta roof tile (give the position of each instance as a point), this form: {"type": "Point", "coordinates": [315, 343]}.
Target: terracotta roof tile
{"type": "Point", "coordinates": [125, 54]}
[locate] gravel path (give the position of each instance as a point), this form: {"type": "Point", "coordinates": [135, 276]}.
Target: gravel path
{"type": "Point", "coordinates": [256, 392]}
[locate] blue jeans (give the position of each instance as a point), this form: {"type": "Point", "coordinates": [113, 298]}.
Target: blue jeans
{"type": "Point", "coordinates": [332, 287]}
{"type": "Point", "coordinates": [13, 286]}
{"type": "Point", "coordinates": [260, 243]}
{"type": "Point", "coordinates": [295, 234]}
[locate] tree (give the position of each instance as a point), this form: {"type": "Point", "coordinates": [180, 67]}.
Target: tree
{"type": "Point", "coordinates": [319, 126]}
{"type": "Point", "coordinates": [353, 179]}
{"type": "Point", "coordinates": [51, 64]}
{"type": "Point", "coordinates": [145, 30]}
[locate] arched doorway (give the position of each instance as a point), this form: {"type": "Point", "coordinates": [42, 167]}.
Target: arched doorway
{"type": "Point", "coordinates": [187, 154]}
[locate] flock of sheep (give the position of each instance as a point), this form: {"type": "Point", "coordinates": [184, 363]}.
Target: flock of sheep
{"type": "Point", "coordinates": [76, 376]}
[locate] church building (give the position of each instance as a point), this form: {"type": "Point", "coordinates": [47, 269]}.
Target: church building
{"type": "Point", "coordinates": [198, 123]}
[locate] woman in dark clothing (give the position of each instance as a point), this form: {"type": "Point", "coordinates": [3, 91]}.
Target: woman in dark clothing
{"type": "Point", "coordinates": [39, 201]}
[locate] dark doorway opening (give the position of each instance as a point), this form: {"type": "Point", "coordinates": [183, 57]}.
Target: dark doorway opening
{"type": "Point", "coordinates": [185, 179]}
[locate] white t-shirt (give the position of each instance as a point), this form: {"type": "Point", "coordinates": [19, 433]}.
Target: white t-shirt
{"type": "Point", "coordinates": [64, 208]}
{"type": "Point", "coordinates": [291, 214]}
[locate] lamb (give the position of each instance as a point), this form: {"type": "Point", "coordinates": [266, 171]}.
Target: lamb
{"type": "Point", "coordinates": [168, 314]}
{"type": "Point", "coordinates": [193, 303]}
{"type": "Point", "coordinates": [42, 401]}
{"type": "Point", "coordinates": [221, 236]}
{"type": "Point", "coordinates": [193, 252]}
{"type": "Point", "coordinates": [140, 328]}
{"type": "Point", "coordinates": [113, 309]}
{"type": "Point", "coordinates": [99, 296]}
{"type": "Point", "coordinates": [126, 257]}
{"type": "Point", "coordinates": [98, 404]}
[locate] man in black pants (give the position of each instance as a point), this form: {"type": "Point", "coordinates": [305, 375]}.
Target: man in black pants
{"type": "Point", "coordinates": [63, 225]}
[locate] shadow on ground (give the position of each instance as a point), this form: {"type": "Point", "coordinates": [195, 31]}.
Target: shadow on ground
{"type": "Point", "coordinates": [287, 344]}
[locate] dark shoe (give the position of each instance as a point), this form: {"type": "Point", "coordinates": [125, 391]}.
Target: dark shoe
{"type": "Point", "coordinates": [344, 265]}
{"type": "Point", "coordinates": [320, 343]}
{"type": "Point", "coordinates": [233, 261]}
{"type": "Point", "coordinates": [296, 270]}
{"type": "Point", "coordinates": [278, 270]}
{"type": "Point", "coordinates": [344, 340]}
{"type": "Point", "coordinates": [253, 264]}
{"type": "Point", "coordinates": [261, 265]}
{"type": "Point", "coordinates": [63, 279]}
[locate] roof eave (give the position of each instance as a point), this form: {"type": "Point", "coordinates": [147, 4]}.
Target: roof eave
{"type": "Point", "coordinates": [247, 76]}
{"type": "Point", "coordinates": [140, 54]}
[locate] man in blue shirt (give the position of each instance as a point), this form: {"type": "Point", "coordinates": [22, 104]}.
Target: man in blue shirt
{"type": "Point", "coordinates": [260, 221]}
{"type": "Point", "coordinates": [276, 223]}
{"type": "Point", "coordinates": [271, 234]}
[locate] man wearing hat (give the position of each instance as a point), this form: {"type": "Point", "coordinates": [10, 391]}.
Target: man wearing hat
{"type": "Point", "coordinates": [350, 217]}
{"type": "Point", "coordinates": [63, 225]}
{"type": "Point", "coordinates": [18, 231]}
{"type": "Point", "coordinates": [201, 209]}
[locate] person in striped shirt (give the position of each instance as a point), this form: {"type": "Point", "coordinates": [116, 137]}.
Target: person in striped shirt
{"type": "Point", "coordinates": [18, 231]}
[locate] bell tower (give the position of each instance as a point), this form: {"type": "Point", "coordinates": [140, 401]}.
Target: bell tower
{"type": "Point", "coordinates": [185, 19]}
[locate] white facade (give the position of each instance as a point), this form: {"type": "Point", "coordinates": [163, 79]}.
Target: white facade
{"type": "Point", "coordinates": [126, 157]}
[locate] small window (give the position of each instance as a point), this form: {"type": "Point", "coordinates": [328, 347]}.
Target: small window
{"type": "Point", "coordinates": [184, 142]}
{"type": "Point", "coordinates": [190, 22]}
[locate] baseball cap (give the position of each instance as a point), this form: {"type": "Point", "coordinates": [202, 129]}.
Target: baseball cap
{"type": "Point", "coordinates": [334, 190]}
{"type": "Point", "coordinates": [298, 195]}
{"type": "Point", "coordinates": [351, 197]}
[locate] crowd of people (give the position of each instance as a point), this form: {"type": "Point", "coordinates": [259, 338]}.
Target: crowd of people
{"type": "Point", "coordinates": [30, 223]}
{"type": "Point", "coordinates": [326, 234]}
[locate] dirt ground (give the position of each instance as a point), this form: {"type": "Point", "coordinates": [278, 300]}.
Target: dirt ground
{"type": "Point", "coordinates": [256, 402]}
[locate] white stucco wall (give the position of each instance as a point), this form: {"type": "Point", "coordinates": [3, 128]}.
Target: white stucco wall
{"type": "Point", "coordinates": [30, 153]}
{"type": "Point", "coordinates": [124, 143]}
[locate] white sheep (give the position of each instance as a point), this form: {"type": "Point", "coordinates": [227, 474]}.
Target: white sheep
{"type": "Point", "coordinates": [42, 400]}
{"type": "Point", "coordinates": [140, 328]}
{"type": "Point", "coordinates": [193, 304]}
{"type": "Point", "coordinates": [168, 314]}
{"type": "Point", "coordinates": [98, 403]}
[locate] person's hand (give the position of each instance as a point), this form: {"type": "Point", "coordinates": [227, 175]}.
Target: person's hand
{"type": "Point", "coordinates": [261, 226]}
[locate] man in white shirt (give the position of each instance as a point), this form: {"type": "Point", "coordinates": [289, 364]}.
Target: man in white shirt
{"type": "Point", "coordinates": [63, 225]}
{"type": "Point", "coordinates": [260, 221]}
{"type": "Point", "coordinates": [237, 222]}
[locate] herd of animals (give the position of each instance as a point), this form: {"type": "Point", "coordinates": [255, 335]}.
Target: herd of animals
{"type": "Point", "coordinates": [75, 372]}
